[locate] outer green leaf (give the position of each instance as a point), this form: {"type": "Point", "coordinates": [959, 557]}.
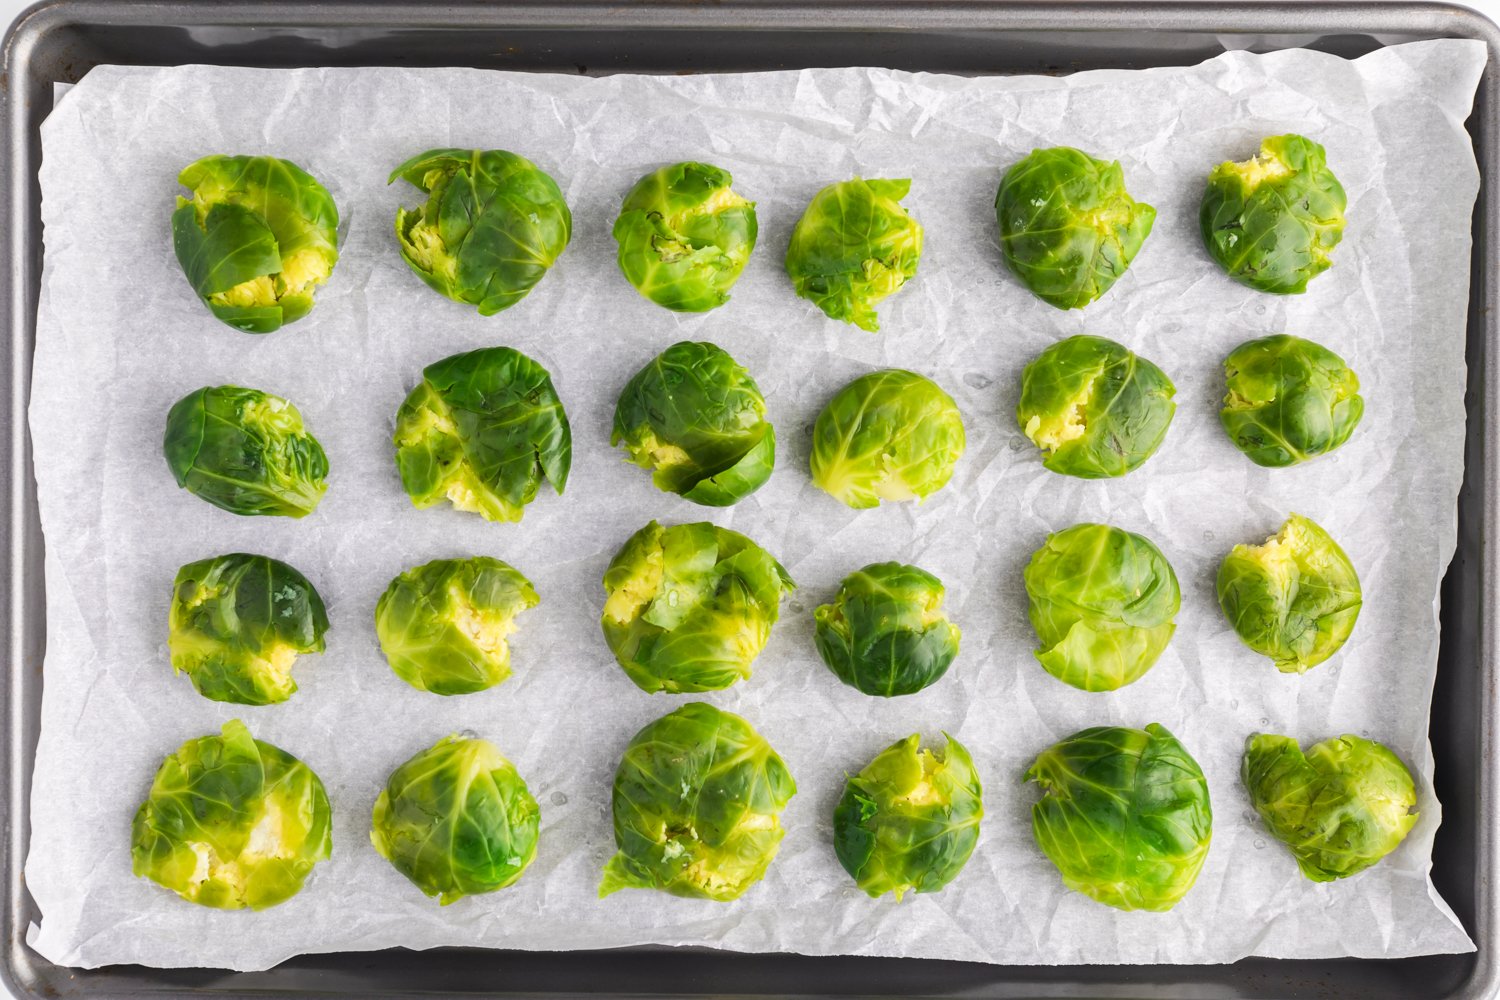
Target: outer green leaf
{"type": "Point", "coordinates": [1289, 400]}
{"type": "Point", "coordinates": [885, 633]}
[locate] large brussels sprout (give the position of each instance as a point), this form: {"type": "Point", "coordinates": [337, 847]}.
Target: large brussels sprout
{"type": "Point", "coordinates": [238, 623]}
{"type": "Point", "coordinates": [910, 819]}
{"type": "Point", "coordinates": [888, 435]}
{"type": "Point", "coordinates": [245, 451]}
{"type": "Point", "coordinates": [232, 822]}
{"type": "Point", "coordinates": [1272, 221]}
{"type": "Point", "coordinates": [1124, 815]}
{"type": "Point", "coordinates": [697, 806]}
{"type": "Point", "coordinates": [1294, 598]}
{"type": "Point", "coordinates": [1341, 808]}
{"type": "Point", "coordinates": [492, 225]}
{"type": "Point", "coordinates": [1102, 601]}
{"type": "Point", "coordinates": [690, 607]}
{"type": "Point", "coordinates": [482, 430]}
{"type": "Point", "coordinates": [257, 238]}
{"type": "Point", "coordinates": [443, 625]}
{"type": "Point", "coordinates": [1289, 400]}
{"type": "Point", "coordinates": [685, 236]}
{"type": "Point", "coordinates": [1068, 227]}
{"type": "Point", "coordinates": [885, 632]}
{"type": "Point", "coordinates": [1095, 408]}
{"type": "Point", "coordinates": [853, 246]}
{"type": "Point", "coordinates": [698, 420]}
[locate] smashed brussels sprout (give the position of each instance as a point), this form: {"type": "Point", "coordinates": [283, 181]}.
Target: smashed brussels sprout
{"type": "Point", "coordinates": [232, 822]}
{"type": "Point", "coordinates": [1289, 400]}
{"type": "Point", "coordinates": [1095, 408]}
{"type": "Point", "coordinates": [492, 225]}
{"type": "Point", "coordinates": [257, 238]}
{"type": "Point", "coordinates": [690, 607]}
{"type": "Point", "coordinates": [910, 819]}
{"type": "Point", "coordinates": [854, 246]}
{"type": "Point", "coordinates": [482, 430]}
{"type": "Point", "coordinates": [1271, 222]}
{"type": "Point", "coordinates": [697, 806]}
{"type": "Point", "coordinates": [238, 623]}
{"type": "Point", "coordinates": [245, 451]}
{"type": "Point", "coordinates": [1068, 227]}
{"type": "Point", "coordinates": [685, 236]}
{"type": "Point", "coordinates": [1124, 815]}
{"type": "Point", "coordinates": [1294, 598]}
{"type": "Point", "coordinates": [698, 421]}
{"type": "Point", "coordinates": [885, 633]}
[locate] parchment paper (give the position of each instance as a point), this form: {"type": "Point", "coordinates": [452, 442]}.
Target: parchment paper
{"type": "Point", "coordinates": [121, 337]}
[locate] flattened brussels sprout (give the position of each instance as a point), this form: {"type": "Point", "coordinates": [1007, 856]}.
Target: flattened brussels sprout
{"type": "Point", "coordinates": [232, 822]}
{"type": "Point", "coordinates": [685, 236]}
{"type": "Point", "coordinates": [1124, 815]}
{"type": "Point", "coordinates": [238, 623]}
{"type": "Point", "coordinates": [697, 806]}
{"type": "Point", "coordinates": [482, 430]}
{"type": "Point", "coordinates": [698, 420]}
{"type": "Point", "coordinates": [690, 607]}
{"type": "Point", "coordinates": [257, 238]}
{"type": "Point", "coordinates": [1289, 400]}
{"type": "Point", "coordinates": [1295, 598]}
{"type": "Point", "coordinates": [492, 225]}
{"type": "Point", "coordinates": [885, 633]}
{"type": "Point", "coordinates": [1095, 408]}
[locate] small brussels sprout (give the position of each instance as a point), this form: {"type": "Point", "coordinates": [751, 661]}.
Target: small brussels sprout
{"type": "Point", "coordinates": [1341, 808]}
{"type": "Point", "coordinates": [854, 246]}
{"type": "Point", "coordinates": [1289, 400]}
{"type": "Point", "coordinates": [697, 806]}
{"type": "Point", "coordinates": [245, 451]}
{"type": "Point", "coordinates": [238, 623]}
{"type": "Point", "coordinates": [1102, 601]}
{"type": "Point", "coordinates": [1294, 599]}
{"type": "Point", "coordinates": [910, 819]}
{"type": "Point", "coordinates": [232, 822]}
{"type": "Point", "coordinates": [888, 435]}
{"type": "Point", "coordinates": [1124, 815]}
{"type": "Point", "coordinates": [482, 430]}
{"type": "Point", "coordinates": [457, 819]}
{"type": "Point", "coordinates": [492, 225]}
{"type": "Point", "coordinates": [1068, 227]}
{"type": "Point", "coordinates": [257, 238]}
{"type": "Point", "coordinates": [885, 633]}
{"type": "Point", "coordinates": [1272, 221]}
{"type": "Point", "coordinates": [698, 420]}
{"type": "Point", "coordinates": [1095, 408]}
{"type": "Point", "coordinates": [690, 607]}
{"type": "Point", "coordinates": [685, 236]}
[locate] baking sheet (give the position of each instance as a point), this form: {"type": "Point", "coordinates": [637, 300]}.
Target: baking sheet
{"type": "Point", "coordinates": [120, 338]}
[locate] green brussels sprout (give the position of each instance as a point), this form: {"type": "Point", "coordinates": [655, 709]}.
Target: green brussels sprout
{"type": "Point", "coordinates": [492, 225]}
{"type": "Point", "coordinates": [690, 607]}
{"type": "Point", "coordinates": [245, 451]}
{"type": "Point", "coordinates": [1095, 408]}
{"type": "Point", "coordinates": [238, 623]}
{"type": "Point", "coordinates": [257, 238]}
{"type": "Point", "coordinates": [443, 625]}
{"type": "Point", "coordinates": [1124, 815]}
{"type": "Point", "coordinates": [697, 806]}
{"type": "Point", "coordinates": [888, 435]}
{"type": "Point", "coordinates": [1272, 221]}
{"type": "Point", "coordinates": [698, 420]}
{"type": "Point", "coordinates": [1295, 598]}
{"type": "Point", "coordinates": [482, 430]}
{"type": "Point", "coordinates": [1341, 808]}
{"type": "Point", "coordinates": [910, 819]}
{"type": "Point", "coordinates": [1102, 601]}
{"type": "Point", "coordinates": [232, 822]}
{"type": "Point", "coordinates": [885, 633]}
{"type": "Point", "coordinates": [1289, 400]}
{"type": "Point", "coordinates": [1068, 227]}
{"type": "Point", "coordinates": [685, 236]}
{"type": "Point", "coordinates": [854, 246]}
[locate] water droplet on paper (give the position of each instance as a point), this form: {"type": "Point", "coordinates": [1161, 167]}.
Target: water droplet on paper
{"type": "Point", "coordinates": [559, 799]}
